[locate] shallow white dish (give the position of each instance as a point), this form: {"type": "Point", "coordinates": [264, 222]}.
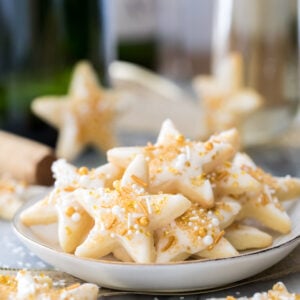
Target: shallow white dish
{"type": "Point", "coordinates": [171, 277]}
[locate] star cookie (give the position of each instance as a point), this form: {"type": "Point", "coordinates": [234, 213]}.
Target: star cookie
{"type": "Point", "coordinates": [14, 193]}
{"type": "Point", "coordinates": [83, 117]}
{"type": "Point", "coordinates": [61, 206]}
{"type": "Point", "coordinates": [278, 292]}
{"type": "Point", "coordinates": [127, 215]}
{"type": "Point", "coordinates": [198, 229]}
{"type": "Point", "coordinates": [28, 286]}
{"type": "Point", "coordinates": [222, 216]}
{"type": "Point", "coordinates": [226, 103]}
{"type": "Point", "coordinates": [177, 164]}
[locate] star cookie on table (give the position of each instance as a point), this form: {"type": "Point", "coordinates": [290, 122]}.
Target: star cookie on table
{"type": "Point", "coordinates": [127, 215]}
{"type": "Point", "coordinates": [198, 229]}
{"type": "Point", "coordinates": [26, 285]}
{"type": "Point", "coordinates": [225, 101]}
{"type": "Point", "coordinates": [278, 292]}
{"type": "Point", "coordinates": [177, 164]}
{"type": "Point", "coordinates": [83, 117]}
{"type": "Point", "coordinates": [14, 193]}
{"type": "Point", "coordinates": [61, 206]}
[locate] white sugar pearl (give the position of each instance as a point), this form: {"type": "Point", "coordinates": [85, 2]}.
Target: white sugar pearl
{"type": "Point", "coordinates": [84, 180]}
{"type": "Point", "coordinates": [116, 210]}
{"type": "Point", "coordinates": [215, 222]}
{"type": "Point", "coordinates": [76, 217]}
{"type": "Point", "coordinates": [208, 240]}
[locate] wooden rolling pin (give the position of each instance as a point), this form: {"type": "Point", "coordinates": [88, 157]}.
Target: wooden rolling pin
{"type": "Point", "coordinates": [25, 159]}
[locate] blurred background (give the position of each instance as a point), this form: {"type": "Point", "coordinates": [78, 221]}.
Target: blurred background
{"type": "Point", "coordinates": [40, 41]}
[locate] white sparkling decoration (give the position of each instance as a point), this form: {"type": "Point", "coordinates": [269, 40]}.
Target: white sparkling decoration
{"type": "Point", "coordinates": [148, 205]}
{"type": "Point", "coordinates": [76, 217]}
{"type": "Point", "coordinates": [208, 240]}
{"type": "Point", "coordinates": [116, 210]}
{"type": "Point", "coordinates": [215, 222]}
{"type": "Point", "coordinates": [84, 180]}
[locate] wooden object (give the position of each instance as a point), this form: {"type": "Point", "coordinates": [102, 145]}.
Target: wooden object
{"type": "Point", "coordinates": [25, 159]}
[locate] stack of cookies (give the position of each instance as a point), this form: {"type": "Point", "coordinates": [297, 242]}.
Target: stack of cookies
{"type": "Point", "coordinates": [173, 200]}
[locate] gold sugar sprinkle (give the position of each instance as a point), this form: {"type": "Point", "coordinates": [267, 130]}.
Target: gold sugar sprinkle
{"type": "Point", "coordinates": [111, 221]}
{"type": "Point", "coordinates": [219, 236]}
{"type": "Point", "coordinates": [70, 211]}
{"type": "Point", "coordinates": [221, 175]}
{"type": "Point", "coordinates": [138, 180]}
{"type": "Point", "coordinates": [83, 171]}
{"type": "Point", "coordinates": [143, 221]}
{"type": "Point", "coordinates": [170, 242]}
{"type": "Point", "coordinates": [180, 138]}
{"type": "Point", "coordinates": [208, 146]}
{"type": "Point", "coordinates": [143, 207]}
{"type": "Point", "coordinates": [69, 188]}
{"type": "Point", "coordinates": [202, 232]}
{"type": "Point", "coordinates": [73, 286]}
{"type": "Point", "coordinates": [68, 230]}
{"type": "Point", "coordinates": [174, 171]}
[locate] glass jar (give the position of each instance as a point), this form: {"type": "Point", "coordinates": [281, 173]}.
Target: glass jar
{"type": "Point", "coordinates": [265, 33]}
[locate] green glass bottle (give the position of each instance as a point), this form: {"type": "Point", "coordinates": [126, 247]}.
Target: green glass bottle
{"type": "Point", "coordinates": [40, 41]}
{"type": "Point", "coordinates": [134, 23]}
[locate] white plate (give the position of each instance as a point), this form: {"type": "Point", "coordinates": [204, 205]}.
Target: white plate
{"type": "Point", "coordinates": [171, 277]}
